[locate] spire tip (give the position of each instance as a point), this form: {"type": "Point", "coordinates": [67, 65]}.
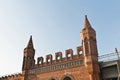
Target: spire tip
{"type": "Point", "coordinates": [30, 36]}
{"type": "Point", "coordinates": [85, 16]}
{"type": "Point", "coordinates": [30, 43]}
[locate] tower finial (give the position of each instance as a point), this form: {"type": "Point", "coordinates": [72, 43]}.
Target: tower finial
{"type": "Point", "coordinates": [85, 16]}
{"type": "Point", "coordinates": [30, 43]}
{"type": "Point", "coordinates": [86, 22]}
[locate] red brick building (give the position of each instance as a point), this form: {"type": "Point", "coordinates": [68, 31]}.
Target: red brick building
{"type": "Point", "coordinates": [82, 65]}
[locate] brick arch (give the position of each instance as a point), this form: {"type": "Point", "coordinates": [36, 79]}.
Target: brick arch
{"type": "Point", "coordinates": [67, 77]}
{"type": "Point", "coordinates": [53, 78]}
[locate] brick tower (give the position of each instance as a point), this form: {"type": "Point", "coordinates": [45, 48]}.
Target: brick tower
{"type": "Point", "coordinates": [28, 58]}
{"type": "Point", "coordinates": [88, 36]}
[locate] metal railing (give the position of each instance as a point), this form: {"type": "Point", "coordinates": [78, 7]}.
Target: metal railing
{"type": "Point", "coordinates": [109, 57]}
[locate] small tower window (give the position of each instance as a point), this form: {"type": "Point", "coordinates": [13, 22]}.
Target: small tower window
{"type": "Point", "coordinates": [58, 58]}
{"type": "Point", "coordinates": [69, 55]}
{"type": "Point", "coordinates": [80, 52]}
{"type": "Point", "coordinates": [48, 60]}
{"type": "Point", "coordinates": [40, 62]}
{"type": "Point", "coordinates": [86, 47]}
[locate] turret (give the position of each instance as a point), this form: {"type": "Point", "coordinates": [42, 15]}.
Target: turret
{"type": "Point", "coordinates": [28, 58]}
{"type": "Point", "coordinates": [89, 43]}
{"type": "Point", "coordinates": [88, 36]}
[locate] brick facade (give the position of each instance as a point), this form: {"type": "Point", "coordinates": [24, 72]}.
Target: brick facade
{"type": "Point", "coordinates": [80, 66]}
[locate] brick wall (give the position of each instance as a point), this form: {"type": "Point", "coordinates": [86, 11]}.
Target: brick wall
{"type": "Point", "coordinates": [76, 73]}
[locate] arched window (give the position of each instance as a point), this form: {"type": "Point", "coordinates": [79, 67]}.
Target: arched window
{"type": "Point", "coordinates": [58, 58]}
{"type": "Point", "coordinates": [67, 78]}
{"type": "Point", "coordinates": [48, 60]}
{"type": "Point", "coordinates": [80, 52]}
{"type": "Point", "coordinates": [40, 62]}
{"type": "Point", "coordinates": [69, 55]}
{"type": "Point", "coordinates": [53, 78]}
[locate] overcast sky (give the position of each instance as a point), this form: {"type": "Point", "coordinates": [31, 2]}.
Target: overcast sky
{"type": "Point", "coordinates": [55, 26]}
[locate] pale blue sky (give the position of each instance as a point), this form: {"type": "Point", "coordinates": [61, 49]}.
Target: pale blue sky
{"type": "Point", "coordinates": [55, 26]}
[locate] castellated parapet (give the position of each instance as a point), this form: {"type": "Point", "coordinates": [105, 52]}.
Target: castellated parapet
{"type": "Point", "coordinates": [16, 76]}
{"type": "Point", "coordinates": [58, 57]}
{"type": "Point", "coordinates": [60, 62]}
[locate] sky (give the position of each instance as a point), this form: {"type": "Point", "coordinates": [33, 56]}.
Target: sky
{"type": "Point", "coordinates": [55, 25]}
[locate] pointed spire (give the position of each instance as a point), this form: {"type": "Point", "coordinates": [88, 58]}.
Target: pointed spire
{"type": "Point", "coordinates": [30, 43]}
{"type": "Point", "coordinates": [86, 23]}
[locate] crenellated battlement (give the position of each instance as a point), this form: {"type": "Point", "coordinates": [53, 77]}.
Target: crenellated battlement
{"type": "Point", "coordinates": [60, 62]}
{"type": "Point", "coordinates": [12, 76]}
{"type": "Point", "coordinates": [59, 58]}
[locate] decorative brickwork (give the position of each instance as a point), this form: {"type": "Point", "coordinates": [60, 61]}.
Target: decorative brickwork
{"type": "Point", "coordinates": [82, 65]}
